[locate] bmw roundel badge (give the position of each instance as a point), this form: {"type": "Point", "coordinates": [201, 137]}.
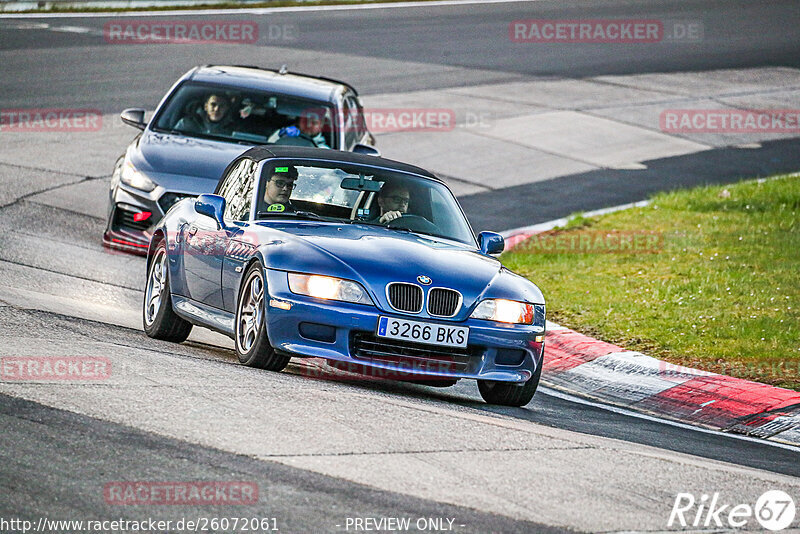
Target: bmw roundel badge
{"type": "Point", "coordinates": [424, 280]}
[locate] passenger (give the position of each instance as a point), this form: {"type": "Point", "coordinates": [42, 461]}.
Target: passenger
{"type": "Point", "coordinates": [308, 131]}
{"type": "Point", "coordinates": [214, 118]}
{"type": "Point", "coordinates": [393, 201]}
{"type": "Point", "coordinates": [280, 185]}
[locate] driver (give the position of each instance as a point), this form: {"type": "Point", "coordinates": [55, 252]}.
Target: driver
{"type": "Point", "coordinates": [214, 118]}
{"type": "Point", "coordinates": [280, 186]}
{"type": "Point", "coordinates": [393, 201]}
{"type": "Point", "coordinates": [308, 131]}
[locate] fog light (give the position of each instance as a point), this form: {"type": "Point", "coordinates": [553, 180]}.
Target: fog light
{"type": "Point", "coordinates": [318, 332]}
{"type": "Point", "coordinates": [141, 216]}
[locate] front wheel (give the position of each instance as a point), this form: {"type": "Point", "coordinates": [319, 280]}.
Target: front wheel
{"type": "Point", "coordinates": [252, 345]}
{"type": "Point", "coordinates": [509, 394]}
{"type": "Point", "coordinates": [160, 320]}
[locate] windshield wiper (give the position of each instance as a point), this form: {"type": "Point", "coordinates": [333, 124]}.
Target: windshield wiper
{"type": "Point", "coordinates": [305, 214]}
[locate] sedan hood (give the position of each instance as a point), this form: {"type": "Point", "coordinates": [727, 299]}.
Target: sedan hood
{"type": "Point", "coordinates": [181, 163]}
{"type": "Point", "coordinates": [375, 256]}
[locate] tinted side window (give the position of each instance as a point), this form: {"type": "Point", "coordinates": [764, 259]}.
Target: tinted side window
{"type": "Point", "coordinates": [238, 190]}
{"type": "Point", "coordinates": [353, 122]}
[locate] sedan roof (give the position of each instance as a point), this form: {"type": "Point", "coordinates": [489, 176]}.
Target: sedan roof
{"type": "Point", "coordinates": [262, 79]}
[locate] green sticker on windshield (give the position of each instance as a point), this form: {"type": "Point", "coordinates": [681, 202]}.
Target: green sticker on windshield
{"type": "Point", "coordinates": [281, 169]}
{"type": "Point", "coordinates": [276, 207]}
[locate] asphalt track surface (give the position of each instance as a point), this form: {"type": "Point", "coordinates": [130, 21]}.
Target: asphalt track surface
{"type": "Point", "coordinates": [54, 460]}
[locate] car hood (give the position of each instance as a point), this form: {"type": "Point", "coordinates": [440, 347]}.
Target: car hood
{"type": "Point", "coordinates": [183, 164]}
{"type": "Point", "coordinates": [375, 256]}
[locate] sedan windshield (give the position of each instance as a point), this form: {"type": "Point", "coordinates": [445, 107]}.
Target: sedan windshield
{"type": "Point", "coordinates": [361, 194]}
{"type": "Point", "coordinates": [247, 116]}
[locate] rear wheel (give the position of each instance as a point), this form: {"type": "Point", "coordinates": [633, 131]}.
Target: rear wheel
{"type": "Point", "coordinates": [252, 345]}
{"type": "Point", "coordinates": [510, 394]}
{"type": "Point", "coordinates": [160, 320]}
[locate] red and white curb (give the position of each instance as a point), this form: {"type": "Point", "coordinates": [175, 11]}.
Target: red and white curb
{"type": "Point", "coordinates": [590, 368]}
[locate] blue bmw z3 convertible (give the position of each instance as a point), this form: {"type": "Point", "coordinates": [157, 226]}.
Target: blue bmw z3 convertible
{"type": "Point", "coordinates": [304, 252]}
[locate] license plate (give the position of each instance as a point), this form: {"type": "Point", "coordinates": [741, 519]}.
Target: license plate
{"type": "Point", "coordinates": [419, 332]}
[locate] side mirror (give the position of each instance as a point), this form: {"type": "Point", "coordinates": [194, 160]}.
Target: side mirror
{"type": "Point", "coordinates": [211, 206]}
{"type": "Point", "coordinates": [366, 149]}
{"type": "Point", "coordinates": [134, 117]}
{"type": "Point", "coordinates": [491, 243]}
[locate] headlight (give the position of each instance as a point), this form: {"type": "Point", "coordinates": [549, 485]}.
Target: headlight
{"type": "Point", "coordinates": [130, 176]}
{"type": "Point", "coordinates": [510, 311]}
{"type": "Point", "coordinates": [327, 287]}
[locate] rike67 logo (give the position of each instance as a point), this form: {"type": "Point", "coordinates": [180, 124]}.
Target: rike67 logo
{"type": "Point", "coordinates": [774, 510]}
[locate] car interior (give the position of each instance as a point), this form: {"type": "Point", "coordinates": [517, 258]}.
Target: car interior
{"type": "Point", "coordinates": [252, 117]}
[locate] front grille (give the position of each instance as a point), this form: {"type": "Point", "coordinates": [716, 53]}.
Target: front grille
{"type": "Point", "coordinates": [405, 297]}
{"type": "Point", "coordinates": [168, 199]}
{"type": "Point", "coordinates": [123, 218]}
{"type": "Point", "coordinates": [443, 302]}
{"type": "Point", "coordinates": [411, 357]}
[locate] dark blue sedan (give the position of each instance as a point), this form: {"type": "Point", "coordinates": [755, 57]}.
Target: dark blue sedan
{"type": "Point", "coordinates": [306, 252]}
{"type": "Point", "coordinates": [211, 115]}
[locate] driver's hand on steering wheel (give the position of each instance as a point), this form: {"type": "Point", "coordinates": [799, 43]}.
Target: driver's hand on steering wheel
{"type": "Point", "coordinates": [389, 216]}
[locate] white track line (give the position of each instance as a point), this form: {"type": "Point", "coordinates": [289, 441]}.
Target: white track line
{"type": "Point", "coordinates": [258, 11]}
{"type": "Point", "coordinates": [623, 411]}
{"type": "Point", "coordinates": [549, 225]}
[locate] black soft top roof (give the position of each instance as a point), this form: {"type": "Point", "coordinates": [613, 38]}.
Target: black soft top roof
{"type": "Point", "coordinates": [261, 153]}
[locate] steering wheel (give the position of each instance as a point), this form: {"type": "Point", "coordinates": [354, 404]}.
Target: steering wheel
{"type": "Point", "coordinates": [415, 223]}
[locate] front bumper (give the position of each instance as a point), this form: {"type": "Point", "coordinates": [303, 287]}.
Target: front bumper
{"type": "Point", "coordinates": [345, 332]}
{"type": "Point", "coordinates": [122, 232]}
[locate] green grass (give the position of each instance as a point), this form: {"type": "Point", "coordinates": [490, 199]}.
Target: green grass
{"type": "Point", "coordinates": [721, 292]}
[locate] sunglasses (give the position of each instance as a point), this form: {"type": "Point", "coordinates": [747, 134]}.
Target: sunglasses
{"type": "Point", "coordinates": [280, 184]}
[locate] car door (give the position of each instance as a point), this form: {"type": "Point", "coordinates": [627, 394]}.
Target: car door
{"type": "Point", "coordinates": [205, 244]}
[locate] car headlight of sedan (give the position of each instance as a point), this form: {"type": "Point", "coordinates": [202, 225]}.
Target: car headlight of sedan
{"type": "Point", "coordinates": [510, 311]}
{"type": "Point", "coordinates": [134, 178]}
{"type": "Point", "coordinates": [328, 287]}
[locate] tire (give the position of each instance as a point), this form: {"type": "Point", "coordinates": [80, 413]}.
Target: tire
{"type": "Point", "coordinates": [509, 394]}
{"type": "Point", "coordinates": [250, 332]}
{"type": "Point", "coordinates": [159, 319]}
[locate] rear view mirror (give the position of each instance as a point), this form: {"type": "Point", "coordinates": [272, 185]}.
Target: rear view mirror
{"type": "Point", "coordinates": [361, 184]}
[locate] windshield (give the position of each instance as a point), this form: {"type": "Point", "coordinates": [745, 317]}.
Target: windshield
{"type": "Point", "coordinates": [243, 115]}
{"type": "Point", "coordinates": [394, 200]}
